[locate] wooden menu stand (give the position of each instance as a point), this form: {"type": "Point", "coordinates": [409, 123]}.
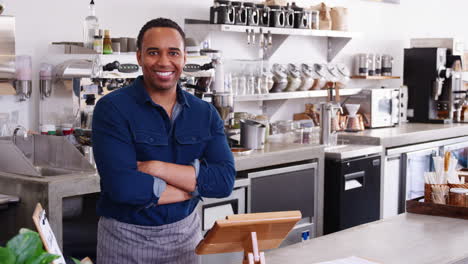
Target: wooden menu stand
{"type": "Point", "coordinates": [249, 233]}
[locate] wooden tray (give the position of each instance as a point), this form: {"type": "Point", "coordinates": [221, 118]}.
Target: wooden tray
{"type": "Point", "coordinates": [415, 207]}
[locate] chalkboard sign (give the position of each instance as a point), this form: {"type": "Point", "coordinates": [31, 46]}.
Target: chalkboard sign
{"type": "Point", "coordinates": [46, 233]}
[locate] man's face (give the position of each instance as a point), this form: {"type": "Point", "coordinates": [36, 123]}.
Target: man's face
{"type": "Point", "coordinates": [161, 57]}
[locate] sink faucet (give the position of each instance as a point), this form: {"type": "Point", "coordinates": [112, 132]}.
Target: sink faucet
{"type": "Point", "coordinates": [15, 133]}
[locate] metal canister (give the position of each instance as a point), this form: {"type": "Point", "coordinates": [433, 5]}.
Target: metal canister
{"type": "Point", "coordinates": [289, 17]}
{"type": "Point", "coordinates": [378, 64]}
{"type": "Point", "coordinates": [241, 13]}
{"type": "Point", "coordinates": [253, 14]}
{"type": "Point", "coordinates": [277, 16]}
{"type": "Point", "coordinates": [264, 15]}
{"type": "Point", "coordinates": [222, 12]}
{"type": "Point", "coordinates": [314, 19]}
{"type": "Point", "coordinates": [362, 64]}
{"type": "Point", "coordinates": [387, 65]}
{"type": "Point", "coordinates": [301, 17]}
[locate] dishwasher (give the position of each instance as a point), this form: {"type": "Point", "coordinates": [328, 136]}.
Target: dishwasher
{"type": "Point", "coordinates": [352, 192]}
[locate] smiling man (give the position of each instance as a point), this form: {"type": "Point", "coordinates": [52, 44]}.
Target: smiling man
{"type": "Point", "coordinates": [157, 149]}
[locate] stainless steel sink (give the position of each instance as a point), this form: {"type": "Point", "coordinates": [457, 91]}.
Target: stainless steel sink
{"type": "Point", "coordinates": [41, 155]}
{"type": "Point", "coordinates": [48, 171]}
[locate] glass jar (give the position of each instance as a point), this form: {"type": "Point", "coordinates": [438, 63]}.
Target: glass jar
{"type": "Point", "coordinates": [307, 77]}
{"type": "Point", "coordinates": [294, 78]}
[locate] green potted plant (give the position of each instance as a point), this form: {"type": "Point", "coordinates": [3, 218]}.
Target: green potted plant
{"type": "Point", "coordinates": [26, 248]}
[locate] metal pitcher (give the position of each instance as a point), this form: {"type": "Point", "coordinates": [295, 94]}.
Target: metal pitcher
{"type": "Point", "coordinates": [252, 134]}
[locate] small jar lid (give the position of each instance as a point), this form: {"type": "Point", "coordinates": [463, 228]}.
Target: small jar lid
{"type": "Point", "coordinates": [459, 190]}
{"type": "Point", "coordinates": [223, 2]}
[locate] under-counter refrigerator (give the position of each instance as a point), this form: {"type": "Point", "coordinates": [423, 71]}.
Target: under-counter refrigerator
{"type": "Point", "coordinates": [352, 192]}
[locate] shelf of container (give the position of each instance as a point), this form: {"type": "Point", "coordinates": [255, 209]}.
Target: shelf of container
{"type": "Point", "coordinates": [273, 30]}
{"type": "Point", "coordinates": [292, 95]}
{"type": "Point", "coordinates": [337, 40]}
{"type": "Point", "coordinates": [375, 77]}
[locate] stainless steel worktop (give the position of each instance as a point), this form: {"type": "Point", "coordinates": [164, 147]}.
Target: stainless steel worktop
{"type": "Point", "coordinates": [276, 154]}
{"type": "Point", "coordinates": [406, 238]}
{"type": "Point", "coordinates": [404, 134]}
{"type": "Point", "coordinates": [50, 191]}
{"type": "Point", "coordinates": [341, 152]}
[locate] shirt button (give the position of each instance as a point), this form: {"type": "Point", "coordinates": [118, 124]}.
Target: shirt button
{"type": "Point", "coordinates": [151, 140]}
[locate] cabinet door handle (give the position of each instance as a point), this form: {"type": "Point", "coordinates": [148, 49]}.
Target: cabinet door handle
{"type": "Point", "coordinates": [354, 180]}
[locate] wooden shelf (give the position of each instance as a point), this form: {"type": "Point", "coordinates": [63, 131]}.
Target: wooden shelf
{"type": "Point", "coordinates": [375, 77]}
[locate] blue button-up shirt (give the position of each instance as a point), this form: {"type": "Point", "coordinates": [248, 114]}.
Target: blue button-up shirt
{"type": "Point", "coordinates": [129, 127]}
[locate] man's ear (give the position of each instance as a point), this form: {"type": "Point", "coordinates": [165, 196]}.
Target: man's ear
{"type": "Point", "coordinates": [138, 55]}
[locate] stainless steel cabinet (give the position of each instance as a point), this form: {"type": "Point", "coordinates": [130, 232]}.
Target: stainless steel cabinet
{"type": "Point", "coordinates": [391, 186]}
{"type": "Point", "coordinates": [291, 187]}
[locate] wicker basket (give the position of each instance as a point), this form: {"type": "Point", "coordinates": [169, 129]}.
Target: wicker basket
{"type": "Point", "coordinates": [461, 174]}
{"type": "Point", "coordinates": [464, 186]}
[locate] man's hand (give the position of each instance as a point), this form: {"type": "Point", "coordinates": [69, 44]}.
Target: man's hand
{"type": "Point", "coordinates": [180, 176]}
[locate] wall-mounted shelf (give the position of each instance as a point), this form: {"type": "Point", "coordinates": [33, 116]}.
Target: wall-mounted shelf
{"type": "Point", "coordinates": [293, 95]}
{"type": "Point", "coordinates": [375, 77]}
{"type": "Point", "coordinates": [201, 29]}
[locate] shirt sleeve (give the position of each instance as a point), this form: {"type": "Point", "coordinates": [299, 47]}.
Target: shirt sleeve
{"type": "Point", "coordinates": [115, 156]}
{"type": "Point", "coordinates": [196, 166]}
{"type": "Point", "coordinates": [217, 170]}
{"type": "Point", "coordinates": [159, 186]}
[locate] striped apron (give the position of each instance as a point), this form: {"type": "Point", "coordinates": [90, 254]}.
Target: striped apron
{"type": "Point", "coordinates": [122, 243]}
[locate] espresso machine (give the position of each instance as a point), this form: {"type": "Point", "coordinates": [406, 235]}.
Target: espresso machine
{"type": "Point", "coordinates": [434, 83]}
{"type": "Point", "coordinates": [206, 80]}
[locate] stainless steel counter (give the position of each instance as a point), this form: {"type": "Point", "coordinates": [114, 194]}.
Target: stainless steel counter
{"type": "Point", "coordinates": [341, 152]}
{"type": "Point", "coordinates": [405, 134]}
{"type": "Point", "coordinates": [276, 154]}
{"type": "Point", "coordinates": [49, 191]}
{"type": "Point", "coordinates": [406, 238]}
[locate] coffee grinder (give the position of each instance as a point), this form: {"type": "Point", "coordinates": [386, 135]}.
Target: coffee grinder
{"type": "Point", "coordinates": [432, 84]}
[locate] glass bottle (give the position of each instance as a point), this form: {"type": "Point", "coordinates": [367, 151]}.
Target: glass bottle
{"type": "Point", "coordinates": [91, 23]}
{"type": "Point", "coordinates": [98, 42]}
{"type": "Point", "coordinates": [107, 49]}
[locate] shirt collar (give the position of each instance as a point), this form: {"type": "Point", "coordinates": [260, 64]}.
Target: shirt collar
{"type": "Point", "coordinates": [143, 97]}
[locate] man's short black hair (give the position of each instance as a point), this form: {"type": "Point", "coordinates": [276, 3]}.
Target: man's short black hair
{"type": "Point", "coordinates": [159, 22]}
